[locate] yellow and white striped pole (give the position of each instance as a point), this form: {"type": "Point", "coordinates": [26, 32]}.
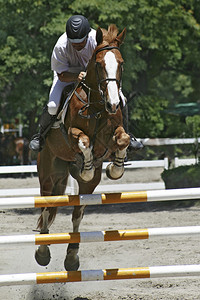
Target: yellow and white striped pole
{"type": "Point", "coordinates": [98, 275]}
{"type": "Point", "coordinates": [96, 199]}
{"type": "Point", "coordinates": [98, 236]}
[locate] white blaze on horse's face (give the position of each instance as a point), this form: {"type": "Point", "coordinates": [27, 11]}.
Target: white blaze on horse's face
{"type": "Point", "coordinates": [111, 67]}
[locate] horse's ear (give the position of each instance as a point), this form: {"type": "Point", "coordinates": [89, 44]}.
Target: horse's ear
{"type": "Point", "coordinates": [99, 36]}
{"type": "Point", "coordinates": [120, 38]}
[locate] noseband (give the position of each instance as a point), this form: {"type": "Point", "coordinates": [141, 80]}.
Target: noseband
{"type": "Point", "coordinates": [107, 80]}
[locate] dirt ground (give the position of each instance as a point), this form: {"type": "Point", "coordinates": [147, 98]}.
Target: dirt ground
{"type": "Point", "coordinates": [141, 253]}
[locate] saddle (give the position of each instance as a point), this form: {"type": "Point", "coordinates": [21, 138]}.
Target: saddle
{"type": "Point", "coordinates": [66, 95]}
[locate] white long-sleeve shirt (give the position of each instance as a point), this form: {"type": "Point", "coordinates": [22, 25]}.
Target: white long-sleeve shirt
{"type": "Point", "coordinates": [66, 58]}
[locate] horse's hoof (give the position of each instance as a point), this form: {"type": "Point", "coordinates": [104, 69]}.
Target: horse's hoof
{"type": "Point", "coordinates": [43, 258]}
{"type": "Point", "coordinates": [87, 175]}
{"type": "Point", "coordinates": [71, 265]}
{"type": "Point", "coordinates": [74, 167]}
{"type": "Point", "coordinates": [108, 173]}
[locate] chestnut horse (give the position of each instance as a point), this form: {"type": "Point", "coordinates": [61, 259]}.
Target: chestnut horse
{"type": "Point", "coordinates": [14, 149]}
{"type": "Point", "coordinates": [22, 150]}
{"type": "Point", "coordinates": [93, 130]}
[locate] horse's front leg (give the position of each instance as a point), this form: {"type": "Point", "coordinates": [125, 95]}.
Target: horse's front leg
{"type": "Point", "coordinates": [115, 170]}
{"type": "Point", "coordinates": [83, 142]}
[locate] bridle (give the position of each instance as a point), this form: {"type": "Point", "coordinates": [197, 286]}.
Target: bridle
{"type": "Point", "coordinates": [100, 91]}
{"type": "Point", "coordinates": [107, 80]}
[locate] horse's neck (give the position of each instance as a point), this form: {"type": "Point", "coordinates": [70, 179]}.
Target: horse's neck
{"type": "Point", "coordinates": [91, 79]}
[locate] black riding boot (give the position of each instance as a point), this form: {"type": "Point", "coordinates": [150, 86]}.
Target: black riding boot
{"type": "Point", "coordinates": [134, 144]}
{"type": "Point", "coordinates": [46, 122]}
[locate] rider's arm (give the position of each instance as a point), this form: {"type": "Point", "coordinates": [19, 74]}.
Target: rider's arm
{"type": "Point", "coordinates": [70, 77]}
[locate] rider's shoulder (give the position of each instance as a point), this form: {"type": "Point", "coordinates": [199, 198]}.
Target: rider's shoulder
{"type": "Point", "coordinates": [92, 38]}
{"type": "Point", "coordinates": [62, 40]}
{"type": "Point", "coordinates": [92, 34]}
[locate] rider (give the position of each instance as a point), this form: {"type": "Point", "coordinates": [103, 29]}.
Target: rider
{"type": "Point", "coordinates": [69, 60]}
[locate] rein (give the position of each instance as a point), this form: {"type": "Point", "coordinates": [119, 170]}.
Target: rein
{"type": "Point", "coordinates": [86, 105]}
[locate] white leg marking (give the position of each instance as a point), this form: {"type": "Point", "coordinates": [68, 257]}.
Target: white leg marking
{"type": "Point", "coordinates": [87, 173]}
{"type": "Point", "coordinates": [116, 169]}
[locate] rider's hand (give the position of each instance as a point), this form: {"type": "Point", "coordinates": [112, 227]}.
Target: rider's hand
{"type": "Point", "coordinates": [81, 76]}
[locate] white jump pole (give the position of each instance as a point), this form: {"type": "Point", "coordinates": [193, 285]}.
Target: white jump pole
{"type": "Point", "coordinates": [97, 275]}
{"type": "Point", "coordinates": [98, 236]}
{"type": "Point", "coordinates": [104, 198]}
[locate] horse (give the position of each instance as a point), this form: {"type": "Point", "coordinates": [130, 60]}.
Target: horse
{"type": "Point", "coordinates": [7, 149]}
{"type": "Point", "coordinates": [93, 132]}
{"type": "Point", "coordinates": [22, 151]}
{"type": "Point", "coordinates": [14, 150]}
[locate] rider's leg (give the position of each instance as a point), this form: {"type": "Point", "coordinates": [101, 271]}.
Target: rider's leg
{"type": "Point", "coordinates": [46, 122]}
{"type": "Point", "coordinates": [134, 144]}
{"type": "Point", "coordinates": [48, 116]}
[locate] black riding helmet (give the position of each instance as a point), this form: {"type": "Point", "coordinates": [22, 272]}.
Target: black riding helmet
{"type": "Point", "coordinates": [77, 28]}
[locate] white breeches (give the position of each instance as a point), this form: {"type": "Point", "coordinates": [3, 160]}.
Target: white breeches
{"type": "Point", "coordinates": [55, 94]}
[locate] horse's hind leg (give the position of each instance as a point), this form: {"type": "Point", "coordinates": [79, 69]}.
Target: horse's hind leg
{"type": "Point", "coordinates": [53, 179]}
{"type": "Point", "coordinates": [72, 260]}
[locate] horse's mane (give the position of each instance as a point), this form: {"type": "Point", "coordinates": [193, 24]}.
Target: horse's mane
{"type": "Point", "coordinates": [109, 36]}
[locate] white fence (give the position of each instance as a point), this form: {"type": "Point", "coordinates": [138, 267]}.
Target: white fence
{"type": "Point", "coordinates": [163, 163]}
{"type": "Point", "coordinates": [184, 162]}
{"type": "Point", "coordinates": [72, 187]}
{"type": "Point", "coordinates": [166, 141]}
{"type": "Point", "coordinates": [18, 169]}
{"type": "Point", "coordinates": [18, 130]}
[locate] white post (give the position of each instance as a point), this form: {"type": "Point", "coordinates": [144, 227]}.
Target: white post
{"type": "Point", "coordinates": [176, 164]}
{"type": "Point", "coordinates": [20, 130]}
{"type": "Point", "coordinates": [166, 163]}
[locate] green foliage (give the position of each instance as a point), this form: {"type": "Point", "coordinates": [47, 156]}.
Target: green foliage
{"type": "Point", "coordinates": [147, 115]}
{"type": "Point", "coordinates": [161, 53]}
{"type": "Point", "coordinates": [193, 124]}
{"type": "Point", "coordinates": [28, 33]}
{"type": "Point", "coordinates": [182, 177]}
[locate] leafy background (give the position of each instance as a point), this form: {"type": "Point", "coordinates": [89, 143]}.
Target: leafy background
{"type": "Point", "coordinates": [161, 53]}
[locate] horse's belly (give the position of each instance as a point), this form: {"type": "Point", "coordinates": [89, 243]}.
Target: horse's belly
{"type": "Point", "coordinates": [59, 147]}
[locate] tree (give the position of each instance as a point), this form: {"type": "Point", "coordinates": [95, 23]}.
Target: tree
{"type": "Point", "coordinates": [194, 127]}
{"type": "Point", "coordinates": [161, 53]}
{"type": "Point", "coordinates": [28, 33]}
